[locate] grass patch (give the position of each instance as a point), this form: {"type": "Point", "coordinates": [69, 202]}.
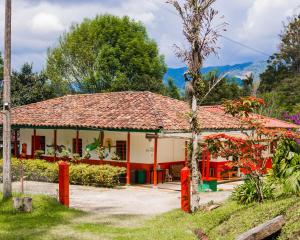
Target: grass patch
{"type": "Point", "coordinates": [47, 213]}
{"type": "Point", "coordinates": [224, 223]}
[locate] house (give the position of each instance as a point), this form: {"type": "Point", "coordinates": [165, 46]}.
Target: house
{"type": "Point", "coordinates": [137, 130]}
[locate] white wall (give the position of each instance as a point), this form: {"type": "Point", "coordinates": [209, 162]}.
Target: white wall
{"type": "Point", "coordinates": [141, 149]}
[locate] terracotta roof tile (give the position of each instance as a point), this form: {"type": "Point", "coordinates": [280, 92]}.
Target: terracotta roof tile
{"type": "Point", "coordinates": [124, 110]}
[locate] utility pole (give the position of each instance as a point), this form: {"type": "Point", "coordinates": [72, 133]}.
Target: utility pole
{"type": "Point", "coordinates": [7, 187]}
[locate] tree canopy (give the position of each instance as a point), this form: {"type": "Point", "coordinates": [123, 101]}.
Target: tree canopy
{"type": "Point", "coordinates": [107, 53]}
{"type": "Point", "coordinates": [282, 76]}
{"type": "Point", "coordinates": [29, 87]}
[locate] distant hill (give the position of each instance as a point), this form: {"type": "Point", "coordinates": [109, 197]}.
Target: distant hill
{"type": "Point", "coordinates": [236, 70]}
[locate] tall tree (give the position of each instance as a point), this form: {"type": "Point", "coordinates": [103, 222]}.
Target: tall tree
{"type": "Point", "coordinates": [172, 90]}
{"type": "Point", "coordinates": [29, 87]}
{"type": "Point", "coordinates": [281, 78]}
{"type": "Point", "coordinates": [227, 89]}
{"type": "Point", "coordinates": [7, 186]}
{"type": "Point", "coordinates": [107, 53]}
{"type": "Point", "coordinates": [197, 17]}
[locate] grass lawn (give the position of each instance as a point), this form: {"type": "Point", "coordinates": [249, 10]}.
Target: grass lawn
{"type": "Point", "coordinates": [225, 222]}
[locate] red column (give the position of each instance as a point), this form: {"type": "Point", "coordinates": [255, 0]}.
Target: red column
{"type": "Point", "coordinates": [186, 154]}
{"type": "Point", "coordinates": [185, 189]}
{"type": "Point", "coordinates": [16, 143]}
{"type": "Point", "coordinates": [33, 144]}
{"type": "Point", "coordinates": [77, 141]}
{"type": "Point", "coordinates": [155, 162]}
{"type": "Point", "coordinates": [203, 164]}
{"type": "Point", "coordinates": [55, 143]}
{"type": "Point", "coordinates": [207, 162]}
{"type": "Point", "coordinates": [128, 160]}
{"type": "Point", "coordinates": [64, 184]}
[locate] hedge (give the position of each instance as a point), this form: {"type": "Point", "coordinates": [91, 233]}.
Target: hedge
{"type": "Point", "coordinates": [82, 174]}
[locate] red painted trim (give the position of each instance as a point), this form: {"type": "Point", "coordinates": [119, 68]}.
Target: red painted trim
{"type": "Point", "coordinates": [128, 159]}
{"type": "Point", "coordinates": [155, 163]}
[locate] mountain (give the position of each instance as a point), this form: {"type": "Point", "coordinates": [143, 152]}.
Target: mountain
{"type": "Point", "coordinates": [237, 71]}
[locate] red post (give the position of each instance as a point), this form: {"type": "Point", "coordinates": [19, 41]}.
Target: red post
{"type": "Point", "coordinates": [55, 143]}
{"type": "Point", "coordinates": [128, 160]}
{"type": "Point", "coordinates": [77, 141]}
{"type": "Point", "coordinates": [207, 153]}
{"type": "Point", "coordinates": [64, 183]}
{"type": "Point", "coordinates": [185, 189]}
{"type": "Point", "coordinates": [155, 162]}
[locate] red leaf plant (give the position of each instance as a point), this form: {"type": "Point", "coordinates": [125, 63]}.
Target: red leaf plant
{"type": "Point", "coordinates": [248, 151]}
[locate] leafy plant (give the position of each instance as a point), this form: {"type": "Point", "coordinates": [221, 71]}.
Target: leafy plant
{"type": "Point", "coordinates": [247, 192]}
{"type": "Point", "coordinates": [100, 152]}
{"type": "Point", "coordinates": [286, 166]}
{"type": "Point", "coordinates": [75, 157]}
{"type": "Point", "coordinates": [38, 154]}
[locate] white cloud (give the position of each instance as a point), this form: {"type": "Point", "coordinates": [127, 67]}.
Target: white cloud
{"type": "Point", "coordinates": [37, 24]}
{"type": "Point", "coordinates": [46, 23]}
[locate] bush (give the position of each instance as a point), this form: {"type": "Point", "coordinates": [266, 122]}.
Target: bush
{"type": "Point", "coordinates": [246, 193]}
{"type": "Point", "coordinates": [84, 174]}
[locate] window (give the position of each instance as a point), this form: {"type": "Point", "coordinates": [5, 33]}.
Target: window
{"type": "Point", "coordinates": [79, 146]}
{"type": "Point", "coordinates": [38, 144]}
{"type": "Point", "coordinates": [121, 149]}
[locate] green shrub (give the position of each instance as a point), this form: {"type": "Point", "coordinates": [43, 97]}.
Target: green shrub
{"type": "Point", "coordinates": [246, 193]}
{"type": "Point", "coordinates": [83, 174]}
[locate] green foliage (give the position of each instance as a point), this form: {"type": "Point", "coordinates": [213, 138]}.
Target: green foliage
{"type": "Point", "coordinates": [172, 90]}
{"type": "Point", "coordinates": [282, 76]}
{"type": "Point", "coordinates": [227, 89]}
{"type": "Point", "coordinates": [247, 192]}
{"type": "Point", "coordinates": [29, 87]}
{"type": "Point", "coordinates": [38, 154]}
{"type": "Point", "coordinates": [286, 166]}
{"type": "Point", "coordinates": [85, 174]}
{"type": "Point", "coordinates": [107, 53]}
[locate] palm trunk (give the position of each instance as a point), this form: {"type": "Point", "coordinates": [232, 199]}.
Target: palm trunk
{"type": "Point", "coordinates": [195, 198]}
{"type": "Point", "coordinates": [7, 187]}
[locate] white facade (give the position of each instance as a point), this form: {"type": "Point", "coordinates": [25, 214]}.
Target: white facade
{"type": "Point", "coordinates": [141, 148]}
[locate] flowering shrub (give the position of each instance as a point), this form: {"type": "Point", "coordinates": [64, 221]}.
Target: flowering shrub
{"type": "Point", "coordinates": [247, 152]}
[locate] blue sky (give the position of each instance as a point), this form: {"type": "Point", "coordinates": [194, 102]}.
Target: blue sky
{"type": "Point", "coordinates": [37, 24]}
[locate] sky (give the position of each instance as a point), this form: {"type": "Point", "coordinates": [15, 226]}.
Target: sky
{"type": "Point", "coordinates": [37, 25]}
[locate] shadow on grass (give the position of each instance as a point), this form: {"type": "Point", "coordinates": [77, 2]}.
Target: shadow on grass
{"type": "Point", "coordinates": [46, 214]}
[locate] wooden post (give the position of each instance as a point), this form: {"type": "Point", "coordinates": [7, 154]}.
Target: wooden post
{"type": "Point", "coordinates": [186, 154]}
{"type": "Point", "coordinates": [64, 184]}
{"type": "Point", "coordinates": [155, 162]}
{"type": "Point", "coordinates": [185, 189]}
{"type": "Point", "coordinates": [7, 185]}
{"type": "Point", "coordinates": [16, 143]}
{"type": "Point", "coordinates": [128, 160]}
{"type": "Point", "coordinates": [77, 141]}
{"type": "Point", "coordinates": [55, 143]}
{"type": "Point", "coordinates": [33, 144]}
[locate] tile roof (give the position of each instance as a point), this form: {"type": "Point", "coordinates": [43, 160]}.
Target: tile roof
{"type": "Point", "coordinates": [124, 110]}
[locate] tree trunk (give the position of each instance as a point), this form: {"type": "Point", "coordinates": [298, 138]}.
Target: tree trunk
{"type": "Point", "coordinates": [7, 187]}
{"type": "Point", "coordinates": [195, 198]}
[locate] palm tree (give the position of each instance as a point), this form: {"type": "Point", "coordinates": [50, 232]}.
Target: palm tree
{"type": "Point", "coordinates": [7, 187]}
{"type": "Point", "coordinates": [197, 17]}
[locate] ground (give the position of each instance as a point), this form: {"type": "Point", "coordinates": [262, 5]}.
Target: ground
{"type": "Point", "coordinates": [50, 221]}
{"type": "Point", "coordinates": [133, 200]}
